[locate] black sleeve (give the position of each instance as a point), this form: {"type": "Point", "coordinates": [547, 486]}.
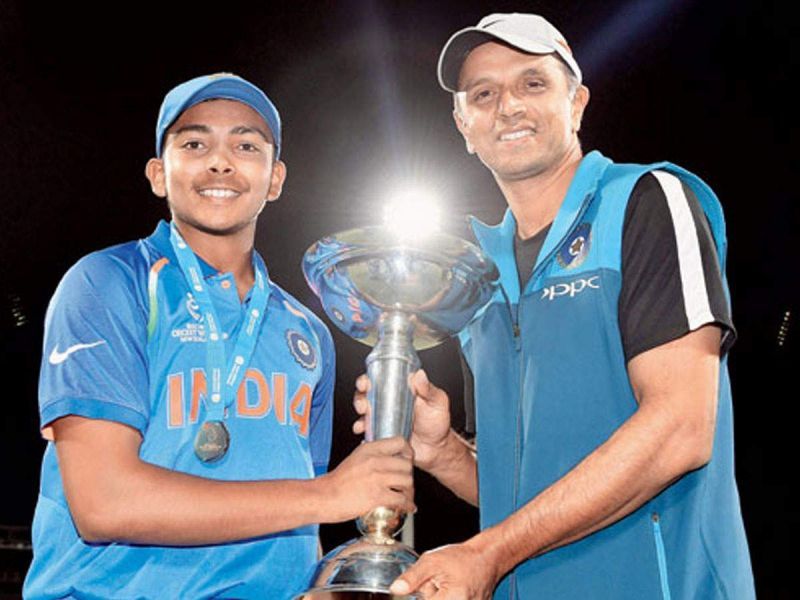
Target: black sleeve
{"type": "Point", "coordinates": [671, 279]}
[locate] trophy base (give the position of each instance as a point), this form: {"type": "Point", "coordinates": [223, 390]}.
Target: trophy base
{"type": "Point", "coordinates": [361, 569]}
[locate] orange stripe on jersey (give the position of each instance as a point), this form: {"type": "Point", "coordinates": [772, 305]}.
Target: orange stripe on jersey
{"type": "Point", "coordinates": [158, 265]}
{"type": "Point", "coordinates": [293, 310]}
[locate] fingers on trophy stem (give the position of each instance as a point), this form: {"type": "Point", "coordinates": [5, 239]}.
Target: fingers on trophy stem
{"type": "Point", "coordinates": [361, 404]}
{"type": "Point", "coordinates": [362, 383]}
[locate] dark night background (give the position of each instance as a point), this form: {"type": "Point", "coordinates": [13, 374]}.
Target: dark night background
{"type": "Point", "coordinates": [704, 84]}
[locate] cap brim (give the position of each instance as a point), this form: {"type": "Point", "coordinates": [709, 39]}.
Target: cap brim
{"type": "Point", "coordinates": [466, 40]}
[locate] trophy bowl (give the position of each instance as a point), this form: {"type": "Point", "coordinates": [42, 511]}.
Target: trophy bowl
{"type": "Point", "coordinates": [397, 292]}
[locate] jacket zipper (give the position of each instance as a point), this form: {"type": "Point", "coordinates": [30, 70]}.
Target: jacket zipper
{"type": "Point", "coordinates": [518, 436]}
{"type": "Point", "coordinates": [661, 555]}
{"type": "Point", "coordinates": [515, 319]}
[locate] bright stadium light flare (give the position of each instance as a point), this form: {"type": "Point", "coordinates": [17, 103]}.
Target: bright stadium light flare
{"type": "Point", "coordinates": [412, 214]}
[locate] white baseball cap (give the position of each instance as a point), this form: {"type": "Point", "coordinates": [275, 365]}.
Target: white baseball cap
{"type": "Point", "coordinates": [529, 33]}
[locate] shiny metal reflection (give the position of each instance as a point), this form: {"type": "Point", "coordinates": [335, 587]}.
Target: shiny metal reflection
{"type": "Point", "coordinates": [396, 293]}
{"type": "Point", "coordinates": [439, 281]}
{"type": "Point", "coordinates": [360, 568]}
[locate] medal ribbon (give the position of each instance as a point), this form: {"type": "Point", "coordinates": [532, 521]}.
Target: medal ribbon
{"type": "Point", "coordinates": [221, 392]}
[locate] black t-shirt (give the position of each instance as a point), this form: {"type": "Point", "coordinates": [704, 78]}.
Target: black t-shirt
{"type": "Point", "coordinates": [526, 252]}
{"type": "Point", "coordinates": [652, 302]}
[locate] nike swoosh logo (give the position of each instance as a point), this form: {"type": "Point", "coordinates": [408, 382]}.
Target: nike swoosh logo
{"type": "Point", "coordinates": [57, 357]}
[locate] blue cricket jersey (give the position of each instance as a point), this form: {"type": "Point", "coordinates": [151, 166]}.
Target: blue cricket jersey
{"type": "Point", "coordinates": [125, 341]}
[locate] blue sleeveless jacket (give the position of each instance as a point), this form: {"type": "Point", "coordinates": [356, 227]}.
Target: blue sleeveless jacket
{"type": "Point", "coordinates": [551, 385]}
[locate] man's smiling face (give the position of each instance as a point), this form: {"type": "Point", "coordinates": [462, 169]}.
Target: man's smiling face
{"type": "Point", "coordinates": [516, 110]}
{"type": "Point", "coordinates": [217, 170]}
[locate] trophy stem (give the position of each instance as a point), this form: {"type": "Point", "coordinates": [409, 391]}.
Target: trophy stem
{"type": "Point", "coordinates": [390, 364]}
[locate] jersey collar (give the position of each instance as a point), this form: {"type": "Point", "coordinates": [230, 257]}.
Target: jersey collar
{"type": "Point", "coordinates": [159, 239]}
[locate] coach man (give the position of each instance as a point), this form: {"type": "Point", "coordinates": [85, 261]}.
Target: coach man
{"type": "Point", "coordinates": [604, 461]}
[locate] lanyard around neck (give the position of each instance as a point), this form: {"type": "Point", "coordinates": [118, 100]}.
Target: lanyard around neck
{"type": "Point", "coordinates": [221, 392]}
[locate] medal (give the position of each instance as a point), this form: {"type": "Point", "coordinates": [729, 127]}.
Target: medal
{"type": "Point", "coordinates": [224, 370]}
{"type": "Point", "coordinates": [212, 441]}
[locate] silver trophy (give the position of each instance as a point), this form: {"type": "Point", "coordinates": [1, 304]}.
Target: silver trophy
{"type": "Point", "coordinates": [399, 293]}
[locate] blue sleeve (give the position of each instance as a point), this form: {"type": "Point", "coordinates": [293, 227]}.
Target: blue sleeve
{"type": "Point", "coordinates": [94, 357]}
{"type": "Point", "coordinates": [322, 403]}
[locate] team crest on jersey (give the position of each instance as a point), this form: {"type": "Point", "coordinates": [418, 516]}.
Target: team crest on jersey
{"type": "Point", "coordinates": [576, 247]}
{"type": "Point", "coordinates": [301, 349]}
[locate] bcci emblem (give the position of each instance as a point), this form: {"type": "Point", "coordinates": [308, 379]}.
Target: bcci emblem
{"type": "Point", "coordinates": [576, 247]}
{"type": "Point", "coordinates": [302, 351]}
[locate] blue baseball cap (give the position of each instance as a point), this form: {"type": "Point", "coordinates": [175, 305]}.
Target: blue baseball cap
{"type": "Point", "coordinates": [220, 86]}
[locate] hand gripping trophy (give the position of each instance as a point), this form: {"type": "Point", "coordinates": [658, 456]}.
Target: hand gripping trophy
{"type": "Point", "coordinates": [398, 292]}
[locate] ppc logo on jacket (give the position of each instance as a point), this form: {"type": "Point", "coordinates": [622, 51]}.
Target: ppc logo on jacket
{"type": "Point", "coordinates": [576, 247]}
